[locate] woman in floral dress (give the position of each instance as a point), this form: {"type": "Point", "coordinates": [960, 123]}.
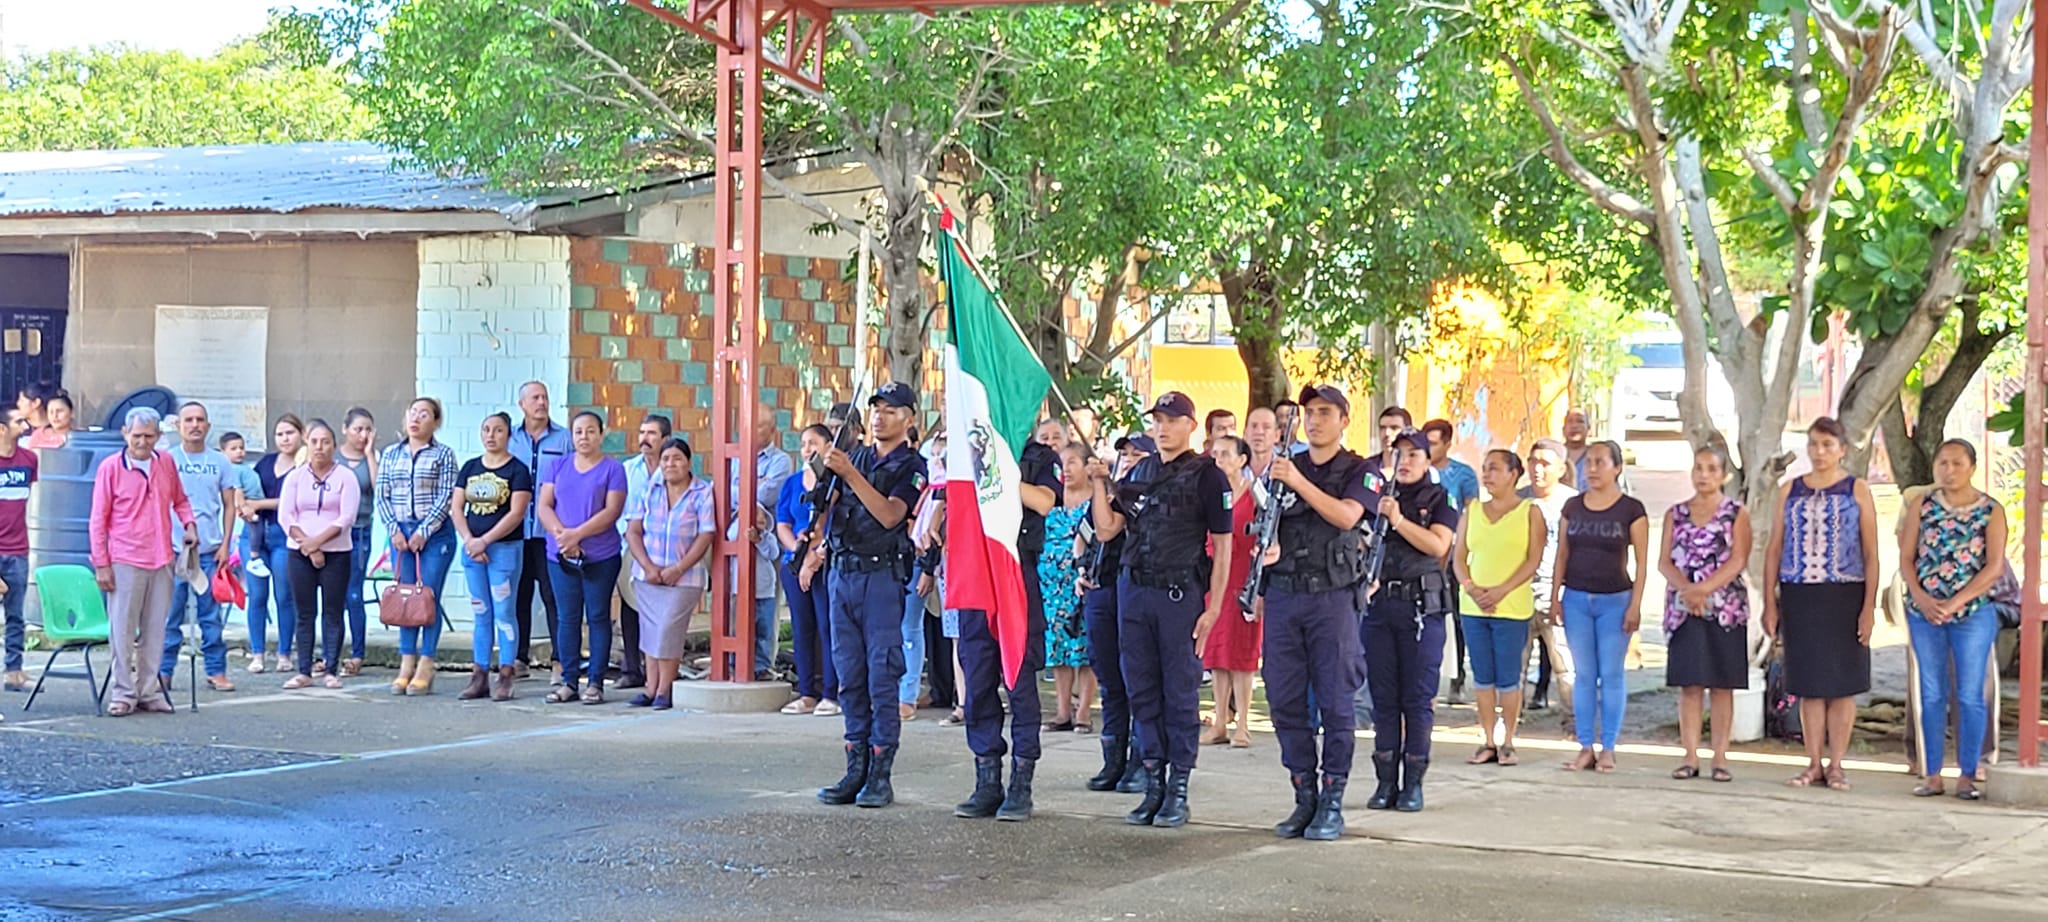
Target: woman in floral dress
{"type": "Point", "coordinates": [1706, 608]}
{"type": "Point", "coordinates": [1059, 568]}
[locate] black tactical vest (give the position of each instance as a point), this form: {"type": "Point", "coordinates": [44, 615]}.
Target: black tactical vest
{"type": "Point", "coordinates": [853, 530]}
{"type": "Point", "coordinates": [1403, 561]}
{"type": "Point", "coordinates": [1031, 537]}
{"type": "Point", "coordinates": [1169, 533]}
{"type": "Point", "coordinates": [1316, 556]}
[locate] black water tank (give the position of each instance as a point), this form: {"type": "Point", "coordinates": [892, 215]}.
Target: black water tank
{"type": "Point", "coordinates": [61, 503]}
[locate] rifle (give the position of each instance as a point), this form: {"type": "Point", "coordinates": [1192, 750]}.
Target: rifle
{"type": "Point", "coordinates": [1265, 526]}
{"type": "Point", "coordinates": [1379, 540]}
{"type": "Point", "coordinates": [826, 494]}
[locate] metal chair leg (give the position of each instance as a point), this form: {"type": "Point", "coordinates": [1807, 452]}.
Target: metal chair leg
{"type": "Point", "coordinates": [99, 691]}
{"type": "Point", "coordinates": [41, 678]}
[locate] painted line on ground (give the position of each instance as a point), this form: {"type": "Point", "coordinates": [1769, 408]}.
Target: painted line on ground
{"type": "Point", "coordinates": [536, 733]}
{"type": "Point", "coordinates": [251, 896]}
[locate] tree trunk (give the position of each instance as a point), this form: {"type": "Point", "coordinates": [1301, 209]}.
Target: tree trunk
{"type": "Point", "coordinates": [908, 321]}
{"type": "Point", "coordinates": [1911, 464]}
{"type": "Point", "coordinates": [1912, 456]}
{"type": "Point", "coordinates": [1252, 295]}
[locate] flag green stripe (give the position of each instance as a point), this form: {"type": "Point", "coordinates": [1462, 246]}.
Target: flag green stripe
{"type": "Point", "coordinates": [990, 348]}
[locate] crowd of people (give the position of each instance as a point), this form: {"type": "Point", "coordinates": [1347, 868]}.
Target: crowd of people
{"type": "Point", "coordinates": [1145, 573]}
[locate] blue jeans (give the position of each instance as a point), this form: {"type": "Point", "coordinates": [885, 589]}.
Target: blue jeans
{"type": "Point", "coordinates": [583, 596]}
{"type": "Point", "coordinates": [434, 560]}
{"type": "Point", "coordinates": [14, 572]}
{"type": "Point", "coordinates": [1967, 641]}
{"type": "Point", "coordinates": [810, 630]}
{"type": "Point", "coordinates": [491, 605]}
{"type": "Point", "coordinates": [266, 590]}
{"type": "Point", "coordinates": [1592, 628]}
{"type": "Point", "coordinates": [913, 642]}
{"type": "Point", "coordinates": [211, 648]}
{"type": "Point", "coordinates": [1496, 646]}
{"type": "Point", "coordinates": [765, 633]}
{"type": "Point", "coordinates": [360, 539]}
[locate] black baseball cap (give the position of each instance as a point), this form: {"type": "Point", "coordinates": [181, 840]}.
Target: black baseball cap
{"type": "Point", "coordinates": [1328, 394]}
{"type": "Point", "coordinates": [895, 394]}
{"type": "Point", "coordinates": [1173, 403]}
{"type": "Point", "coordinates": [1413, 437]}
{"type": "Point", "coordinates": [1139, 441]}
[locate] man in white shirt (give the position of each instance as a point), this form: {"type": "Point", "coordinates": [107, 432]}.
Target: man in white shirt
{"type": "Point", "coordinates": [640, 471]}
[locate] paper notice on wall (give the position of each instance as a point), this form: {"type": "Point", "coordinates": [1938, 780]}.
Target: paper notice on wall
{"type": "Point", "coordinates": [216, 355]}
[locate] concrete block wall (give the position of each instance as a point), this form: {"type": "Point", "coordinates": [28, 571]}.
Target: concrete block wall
{"type": "Point", "coordinates": [640, 336]}
{"type": "Point", "coordinates": [493, 314]}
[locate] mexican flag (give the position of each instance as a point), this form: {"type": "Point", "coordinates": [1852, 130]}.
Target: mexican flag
{"type": "Point", "coordinates": [994, 387]}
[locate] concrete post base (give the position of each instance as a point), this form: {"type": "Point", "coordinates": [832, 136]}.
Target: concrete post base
{"type": "Point", "coordinates": [2015, 786]}
{"type": "Point", "coordinates": [732, 697]}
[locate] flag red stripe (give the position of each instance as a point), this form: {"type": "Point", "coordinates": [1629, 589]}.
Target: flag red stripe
{"type": "Point", "coordinates": [983, 574]}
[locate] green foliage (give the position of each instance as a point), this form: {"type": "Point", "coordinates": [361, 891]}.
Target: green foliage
{"type": "Point", "coordinates": [262, 90]}
{"type": "Point", "coordinates": [2011, 420]}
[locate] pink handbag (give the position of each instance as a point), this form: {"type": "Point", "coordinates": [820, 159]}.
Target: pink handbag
{"type": "Point", "coordinates": [407, 604]}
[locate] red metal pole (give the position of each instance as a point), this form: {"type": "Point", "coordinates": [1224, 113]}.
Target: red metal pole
{"type": "Point", "coordinates": [736, 292]}
{"type": "Point", "coordinates": [2037, 350]}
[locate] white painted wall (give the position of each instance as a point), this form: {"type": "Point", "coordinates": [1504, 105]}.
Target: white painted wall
{"type": "Point", "coordinates": [493, 314]}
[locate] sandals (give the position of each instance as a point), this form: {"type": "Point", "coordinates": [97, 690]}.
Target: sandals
{"type": "Point", "coordinates": [256, 666]}
{"type": "Point", "coordinates": [1685, 772]}
{"type": "Point", "coordinates": [799, 706]}
{"type": "Point", "coordinates": [593, 694]}
{"type": "Point", "coordinates": [352, 667]}
{"type": "Point", "coordinates": [1605, 764]}
{"type": "Point", "coordinates": [954, 719]}
{"type": "Point", "coordinates": [1066, 725]}
{"type": "Point", "coordinates": [120, 709]}
{"type": "Point", "coordinates": [220, 683]}
{"type": "Point", "coordinates": [1969, 793]}
{"type": "Point", "coordinates": [1486, 755]}
{"type": "Point", "coordinates": [1508, 757]}
{"type": "Point", "coordinates": [1241, 741]}
{"type": "Point", "coordinates": [1584, 760]}
{"type": "Point", "coordinates": [828, 708]}
{"type": "Point", "coordinates": [1929, 790]}
{"type": "Point", "coordinates": [332, 681]}
{"type": "Point", "coordinates": [1835, 780]}
{"type": "Point", "coordinates": [561, 694]}
{"type": "Point", "coordinates": [1084, 728]}
{"type": "Point", "coordinates": [297, 682]}
{"type": "Point", "coordinates": [1721, 775]}
{"type": "Point", "coordinates": [1806, 778]}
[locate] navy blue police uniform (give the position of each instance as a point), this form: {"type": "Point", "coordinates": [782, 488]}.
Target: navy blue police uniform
{"type": "Point", "coordinates": [1122, 766]}
{"type": "Point", "coordinates": [981, 659]}
{"type": "Point", "coordinates": [1404, 647]}
{"type": "Point", "coordinates": [1161, 594]}
{"type": "Point", "coordinates": [1313, 658]}
{"type": "Point", "coordinates": [870, 567]}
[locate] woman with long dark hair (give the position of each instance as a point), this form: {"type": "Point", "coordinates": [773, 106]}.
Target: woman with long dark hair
{"type": "Point", "coordinates": [669, 535]}
{"type": "Point", "coordinates": [416, 480]}
{"type": "Point", "coordinates": [316, 510]}
{"type": "Point", "coordinates": [489, 515]}
{"type": "Point", "coordinates": [1820, 598]}
{"type": "Point", "coordinates": [1955, 543]}
{"type": "Point", "coordinates": [1599, 599]}
{"type": "Point", "coordinates": [581, 499]}
{"type": "Point", "coordinates": [358, 453]}
{"type": "Point", "coordinates": [272, 587]}
{"type": "Point", "coordinates": [810, 609]}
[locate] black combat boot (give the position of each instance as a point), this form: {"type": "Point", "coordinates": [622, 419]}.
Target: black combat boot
{"type": "Point", "coordinates": [877, 792]}
{"type": "Point", "coordinates": [1387, 766]}
{"type": "Point", "coordinates": [1411, 784]}
{"type": "Point", "coordinates": [1133, 781]}
{"type": "Point", "coordinates": [1017, 804]}
{"type": "Point", "coordinates": [1173, 810]}
{"type": "Point", "coordinates": [1155, 793]}
{"type": "Point", "coordinates": [1329, 821]}
{"type": "Point", "coordinates": [1115, 756]}
{"type": "Point", "coordinates": [842, 793]}
{"type": "Point", "coordinates": [1304, 806]}
{"type": "Point", "coordinates": [988, 789]}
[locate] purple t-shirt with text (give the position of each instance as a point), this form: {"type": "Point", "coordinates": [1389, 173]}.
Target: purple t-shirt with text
{"type": "Point", "coordinates": [579, 495]}
{"type": "Point", "coordinates": [16, 473]}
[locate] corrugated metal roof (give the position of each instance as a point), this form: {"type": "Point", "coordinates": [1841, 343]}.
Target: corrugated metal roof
{"type": "Point", "coordinates": [276, 178]}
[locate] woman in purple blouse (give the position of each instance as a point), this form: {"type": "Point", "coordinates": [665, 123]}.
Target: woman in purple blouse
{"type": "Point", "coordinates": [581, 498]}
{"type": "Point", "coordinates": [1706, 609]}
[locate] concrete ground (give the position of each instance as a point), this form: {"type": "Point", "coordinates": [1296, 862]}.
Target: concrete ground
{"type": "Point", "coordinates": [357, 804]}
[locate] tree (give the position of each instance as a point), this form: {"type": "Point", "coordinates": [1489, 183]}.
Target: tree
{"type": "Point", "coordinates": [261, 90]}
{"type": "Point", "coordinates": [600, 96]}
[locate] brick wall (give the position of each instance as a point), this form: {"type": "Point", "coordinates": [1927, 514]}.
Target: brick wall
{"type": "Point", "coordinates": [493, 314]}
{"type": "Point", "coordinates": [640, 336]}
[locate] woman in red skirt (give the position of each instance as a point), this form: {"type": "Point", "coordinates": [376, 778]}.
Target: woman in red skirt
{"type": "Point", "coordinates": [1232, 653]}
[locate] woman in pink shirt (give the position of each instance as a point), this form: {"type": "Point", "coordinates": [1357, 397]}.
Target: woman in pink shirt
{"type": "Point", "coordinates": [316, 508]}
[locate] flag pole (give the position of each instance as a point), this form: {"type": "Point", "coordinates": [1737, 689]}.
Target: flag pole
{"type": "Point", "coordinates": [996, 295]}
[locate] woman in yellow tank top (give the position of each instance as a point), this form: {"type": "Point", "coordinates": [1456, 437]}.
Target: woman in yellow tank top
{"type": "Point", "coordinates": [1500, 544]}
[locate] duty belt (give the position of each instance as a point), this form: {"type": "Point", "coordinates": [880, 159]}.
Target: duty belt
{"type": "Point", "coordinates": [1300, 583]}
{"type": "Point", "coordinates": [869, 563]}
{"type": "Point", "coordinates": [1165, 579]}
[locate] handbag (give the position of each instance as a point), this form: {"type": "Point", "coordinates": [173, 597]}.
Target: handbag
{"type": "Point", "coordinates": [404, 604]}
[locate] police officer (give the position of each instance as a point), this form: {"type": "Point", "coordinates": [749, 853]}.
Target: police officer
{"type": "Point", "coordinates": [1314, 578]}
{"type": "Point", "coordinates": [981, 658]}
{"type": "Point", "coordinates": [1404, 627]}
{"type": "Point", "coordinates": [1122, 769]}
{"type": "Point", "coordinates": [1168, 598]}
{"type": "Point", "coordinates": [870, 550]}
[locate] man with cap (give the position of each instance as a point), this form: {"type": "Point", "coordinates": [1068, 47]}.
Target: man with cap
{"type": "Point", "coordinates": [871, 492]}
{"type": "Point", "coordinates": [1404, 625]}
{"type": "Point", "coordinates": [981, 658]}
{"type": "Point", "coordinates": [1168, 598]}
{"type": "Point", "coordinates": [1122, 768]}
{"type": "Point", "coordinates": [1315, 573]}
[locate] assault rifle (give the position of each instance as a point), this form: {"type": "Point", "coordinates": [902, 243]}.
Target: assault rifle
{"type": "Point", "coordinates": [1379, 539]}
{"type": "Point", "coordinates": [1265, 526]}
{"type": "Point", "coordinates": [826, 493]}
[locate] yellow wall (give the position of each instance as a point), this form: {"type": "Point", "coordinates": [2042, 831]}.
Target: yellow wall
{"type": "Point", "coordinates": [1500, 380]}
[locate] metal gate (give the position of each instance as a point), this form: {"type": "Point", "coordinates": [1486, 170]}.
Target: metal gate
{"type": "Point", "coordinates": [31, 348]}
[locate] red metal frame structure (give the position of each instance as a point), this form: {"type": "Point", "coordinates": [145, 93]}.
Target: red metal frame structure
{"type": "Point", "coordinates": [2032, 429]}
{"type": "Point", "coordinates": [787, 38]}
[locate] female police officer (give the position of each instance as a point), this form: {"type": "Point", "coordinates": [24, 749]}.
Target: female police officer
{"type": "Point", "coordinates": [1162, 615]}
{"type": "Point", "coordinates": [1404, 626]}
{"type": "Point", "coordinates": [869, 534]}
{"type": "Point", "coordinates": [1314, 573]}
